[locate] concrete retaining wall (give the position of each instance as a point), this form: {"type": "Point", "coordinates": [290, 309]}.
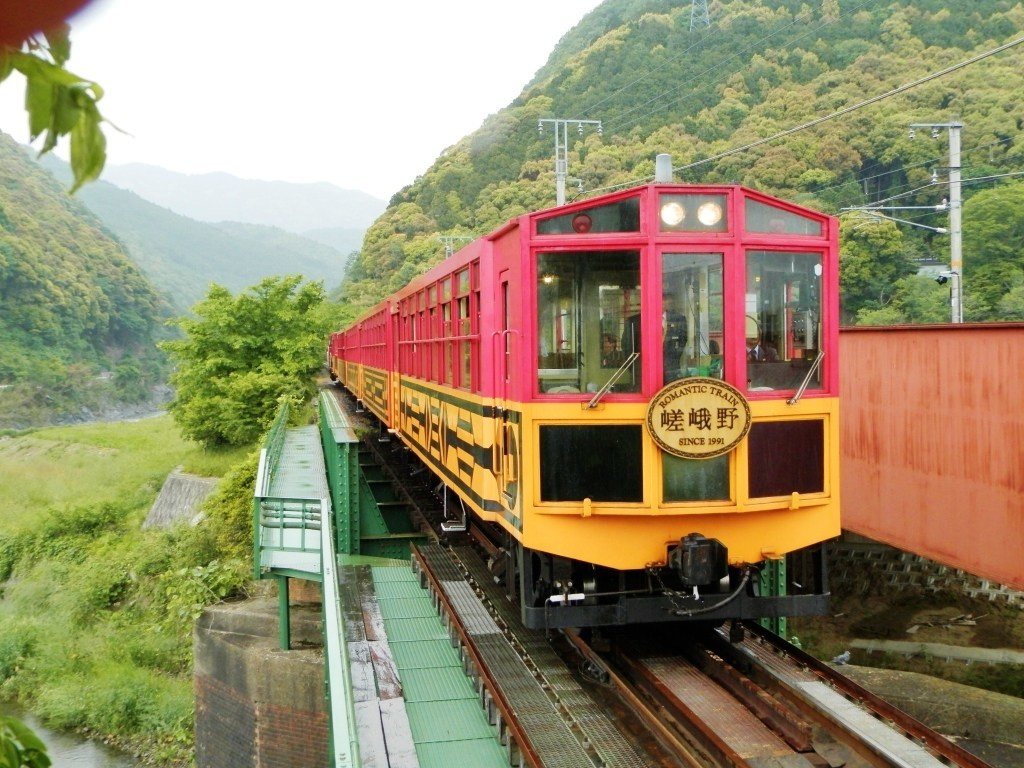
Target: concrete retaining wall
{"type": "Point", "coordinates": [179, 499]}
{"type": "Point", "coordinates": [863, 566]}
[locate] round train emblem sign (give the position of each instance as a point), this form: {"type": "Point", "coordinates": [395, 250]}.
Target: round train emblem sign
{"type": "Point", "coordinates": [698, 418]}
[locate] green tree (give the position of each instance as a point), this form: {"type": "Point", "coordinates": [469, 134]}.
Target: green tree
{"type": "Point", "coordinates": [993, 253]}
{"type": "Point", "coordinates": [59, 103]}
{"type": "Point", "coordinates": [242, 355]}
{"type": "Point", "coordinates": [872, 260]}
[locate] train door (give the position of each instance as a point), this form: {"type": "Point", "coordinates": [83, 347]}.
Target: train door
{"type": "Point", "coordinates": [505, 463]}
{"type": "Point", "coordinates": [391, 352]}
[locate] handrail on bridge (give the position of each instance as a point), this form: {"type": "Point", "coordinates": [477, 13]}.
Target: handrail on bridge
{"type": "Point", "coordinates": [344, 736]}
{"type": "Point", "coordinates": [272, 450]}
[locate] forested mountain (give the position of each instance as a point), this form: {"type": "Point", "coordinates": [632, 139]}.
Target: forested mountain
{"type": "Point", "coordinates": [86, 282]}
{"type": "Point", "coordinates": [762, 69]}
{"type": "Point", "coordinates": [183, 256]}
{"type": "Point", "coordinates": [71, 301]}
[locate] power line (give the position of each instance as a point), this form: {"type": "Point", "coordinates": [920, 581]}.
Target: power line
{"type": "Point", "coordinates": [907, 192]}
{"type": "Point", "coordinates": [855, 107]}
{"type": "Point", "coordinates": [831, 116]}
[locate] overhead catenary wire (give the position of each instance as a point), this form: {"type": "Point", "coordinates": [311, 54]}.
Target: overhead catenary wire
{"type": "Point", "coordinates": [854, 107]}
{"type": "Point", "coordinates": [831, 116]}
{"type": "Point", "coordinates": [905, 190]}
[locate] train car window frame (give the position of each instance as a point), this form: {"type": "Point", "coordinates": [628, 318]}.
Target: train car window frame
{"type": "Point", "coordinates": [433, 347]}
{"type": "Point", "coordinates": [419, 349]}
{"type": "Point", "coordinates": [693, 310]}
{"type": "Point", "coordinates": [463, 330]}
{"type": "Point", "coordinates": [575, 317]}
{"type": "Point", "coordinates": [447, 343]}
{"type": "Point", "coordinates": [617, 217]}
{"type": "Point", "coordinates": [783, 323]}
{"type": "Point", "coordinates": [761, 217]}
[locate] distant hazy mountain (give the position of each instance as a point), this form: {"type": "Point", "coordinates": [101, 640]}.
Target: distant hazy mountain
{"type": "Point", "coordinates": [213, 197]}
{"type": "Point", "coordinates": [183, 256]}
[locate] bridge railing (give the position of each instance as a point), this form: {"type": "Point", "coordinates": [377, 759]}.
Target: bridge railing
{"type": "Point", "coordinates": [273, 447]}
{"type": "Point", "coordinates": [344, 746]}
{"type": "Point", "coordinates": [286, 530]}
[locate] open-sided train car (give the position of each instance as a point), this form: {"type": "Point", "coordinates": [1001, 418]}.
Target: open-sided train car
{"type": "Point", "coordinates": [639, 389]}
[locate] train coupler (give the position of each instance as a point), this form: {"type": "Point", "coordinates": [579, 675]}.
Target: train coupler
{"type": "Point", "coordinates": [699, 560]}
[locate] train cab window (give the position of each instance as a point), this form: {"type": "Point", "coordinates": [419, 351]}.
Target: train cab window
{"type": "Point", "coordinates": [692, 331]}
{"type": "Point", "coordinates": [621, 216]}
{"type": "Point", "coordinates": [588, 321]}
{"type": "Point", "coordinates": [783, 320]}
{"type": "Point", "coordinates": [761, 217]}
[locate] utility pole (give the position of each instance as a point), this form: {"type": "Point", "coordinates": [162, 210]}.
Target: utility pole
{"type": "Point", "coordinates": [956, 258]}
{"type": "Point", "coordinates": [699, 14]}
{"type": "Point", "coordinates": [562, 149]}
{"type": "Point", "coordinates": [450, 241]}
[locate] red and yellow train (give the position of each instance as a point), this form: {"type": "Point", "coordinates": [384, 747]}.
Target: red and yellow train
{"type": "Point", "coordinates": [639, 389]}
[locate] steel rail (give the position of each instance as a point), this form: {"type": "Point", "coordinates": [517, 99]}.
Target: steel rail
{"type": "Point", "coordinates": [654, 720]}
{"type": "Point", "coordinates": [936, 743]}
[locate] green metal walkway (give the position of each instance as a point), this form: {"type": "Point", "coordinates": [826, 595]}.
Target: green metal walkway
{"type": "Point", "coordinates": [397, 692]}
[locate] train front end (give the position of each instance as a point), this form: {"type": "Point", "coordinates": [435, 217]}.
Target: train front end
{"type": "Point", "coordinates": [666, 405]}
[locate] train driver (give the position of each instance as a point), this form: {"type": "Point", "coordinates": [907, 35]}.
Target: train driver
{"type": "Point", "coordinates": [674, 337]}
{"type": "Point", "coordinates": [759, 352]}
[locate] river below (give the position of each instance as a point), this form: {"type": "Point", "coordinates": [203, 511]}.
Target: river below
{"type": "Point", "coordinates": [70, 750]}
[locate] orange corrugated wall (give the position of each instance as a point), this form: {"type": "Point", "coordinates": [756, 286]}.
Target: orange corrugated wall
{"type": "Point", "coordinates": [932, 423]}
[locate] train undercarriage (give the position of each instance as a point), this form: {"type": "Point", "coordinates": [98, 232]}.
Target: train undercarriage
{"type": "Point", "coordinates": [555, 592]}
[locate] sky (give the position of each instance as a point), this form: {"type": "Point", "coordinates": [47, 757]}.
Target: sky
{"type": "Point", "coordinates": [363, 94]}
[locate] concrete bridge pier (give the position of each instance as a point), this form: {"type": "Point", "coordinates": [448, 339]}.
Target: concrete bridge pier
{"type": "Point", "coordinates": [257, 705]}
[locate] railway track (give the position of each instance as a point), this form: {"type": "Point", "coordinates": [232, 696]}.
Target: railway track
{"type": "Point", "coordinates": [646, 697]}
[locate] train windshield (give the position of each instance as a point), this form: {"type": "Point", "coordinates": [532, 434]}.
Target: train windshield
{"type": "Point", "coordinates": [783, 319]}
{"type": "Point", "coordinates": [588, 320]}
{"type": "Point", "coordinates": [692, 315]}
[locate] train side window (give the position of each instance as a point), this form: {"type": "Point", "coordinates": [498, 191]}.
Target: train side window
{"type": "Point", "coordinates": [783, 319]}
{"type": "Point", "coordinates": [446, 314]}
{"type": "Point", "coordinates": [464, 330]}
{"type": "Point", "coordinates": [588, 303]}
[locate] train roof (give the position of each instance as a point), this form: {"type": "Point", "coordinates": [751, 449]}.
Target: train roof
{"type": "Point", "coordinates": [566, 219]}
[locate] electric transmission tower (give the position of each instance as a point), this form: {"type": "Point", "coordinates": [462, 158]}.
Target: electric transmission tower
{"type": "Point", "coordinates": [699, 14]}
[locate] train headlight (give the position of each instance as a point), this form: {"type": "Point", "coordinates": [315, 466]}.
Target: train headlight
{"type": "Point", "coordinates": [672, 214]}
{"type": "Point", "coordinates": [709, 214]}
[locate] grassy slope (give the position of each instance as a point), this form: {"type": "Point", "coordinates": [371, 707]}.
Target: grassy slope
{"type": "Point", "coordinates": [95, 614]}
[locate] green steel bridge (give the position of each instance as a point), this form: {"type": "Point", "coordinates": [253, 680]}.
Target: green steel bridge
{"type": "Point", "coordinates": [396, 689]}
